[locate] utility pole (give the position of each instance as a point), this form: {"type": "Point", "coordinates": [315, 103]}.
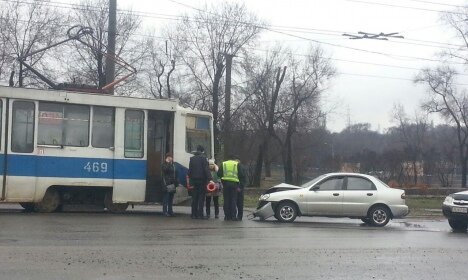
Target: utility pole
{"type": "Point", "coordinates": [111, 34]}
{"type": "Point", "coordinates": [227, 107]}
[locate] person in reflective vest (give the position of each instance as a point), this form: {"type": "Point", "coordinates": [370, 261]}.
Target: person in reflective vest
{"type": "Point", "coordinates": [230, 175]}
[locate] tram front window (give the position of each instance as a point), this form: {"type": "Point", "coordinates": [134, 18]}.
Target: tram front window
{"type": "Point", "coordinates": [198, 133]}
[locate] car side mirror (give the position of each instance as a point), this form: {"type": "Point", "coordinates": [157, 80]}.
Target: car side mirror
{"type": "Point", "coordinates": [315, 188]}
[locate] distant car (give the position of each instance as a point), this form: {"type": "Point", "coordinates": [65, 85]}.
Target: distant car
{"type": "Point", "coordinates": [335, 195]}
{"type": "Point", "coordinates": [455, 208]}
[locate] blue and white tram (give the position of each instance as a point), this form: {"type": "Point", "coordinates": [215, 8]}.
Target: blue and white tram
{"type": "Point", "coordinates": [60, 148]}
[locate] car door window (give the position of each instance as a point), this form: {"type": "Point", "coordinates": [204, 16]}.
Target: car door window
{"type": "Point", "coordinates": [331, 184]}
{"type": "Point", "coordinates": [359, 184]}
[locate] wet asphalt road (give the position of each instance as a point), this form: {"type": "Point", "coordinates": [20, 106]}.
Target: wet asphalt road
{"type": "Point", "coordinates": [143, 244]}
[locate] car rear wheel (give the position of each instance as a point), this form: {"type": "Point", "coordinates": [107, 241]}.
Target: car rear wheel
{"type": "Point", "coordinates": [379, 216]}
{"type": "Point", "coordinates": [286, 212]}
{"type": "Point", "coordinates": [457, 225]}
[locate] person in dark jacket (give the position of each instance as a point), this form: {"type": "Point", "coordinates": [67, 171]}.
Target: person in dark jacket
{"type": "Point", "coordinates": [231, 176]}
{"type": "Point", "coordinates": [199, 175]}
{"type": "Point", "coordinates": [169, 177]}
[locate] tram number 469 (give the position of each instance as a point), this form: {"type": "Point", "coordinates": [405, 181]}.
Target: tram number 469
{"type": "Point", "coordinates": [96, 167]}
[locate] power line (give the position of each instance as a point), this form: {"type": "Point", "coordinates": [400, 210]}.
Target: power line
{"type": "Point", "coordinates": [179, 17]}
{"type": "Point", "coordinates": [395, 56]}
{"type": "Point", "coordinates": [436, 3]}
{"type": "Point", "coordinates": [385, 77]}
{"type": "Point", "coordinates": [403, 7]}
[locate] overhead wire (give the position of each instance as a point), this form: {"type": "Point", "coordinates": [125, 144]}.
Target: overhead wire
{"type": "Point", "coordinates": [293, 35]}
{"type": "Point", "coordinates": [180, 17]}
{"type": "Point", "coordinates": [403, 7]}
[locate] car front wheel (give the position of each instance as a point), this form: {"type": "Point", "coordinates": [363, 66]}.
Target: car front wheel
{"type": "Point", "coordinates": [286, 212]}
{"type": "Point", "coordinates": [458, 225]}
{"type": "Point", "coordinates": [379, 216]}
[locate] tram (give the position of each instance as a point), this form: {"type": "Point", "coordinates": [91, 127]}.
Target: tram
{"type": "Point", "coordinates": [64, 148]}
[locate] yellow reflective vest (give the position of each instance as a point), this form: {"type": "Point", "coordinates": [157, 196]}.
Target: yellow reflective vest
{"type": "Point", "coordinates": [230, 173]}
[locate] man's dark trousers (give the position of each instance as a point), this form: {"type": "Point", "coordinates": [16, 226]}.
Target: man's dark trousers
{"type": "Point", "coordinates": [240, 204]}
{"type": "Point", "coordinates": [198, 197]}
{"type": "Point", "coordinates": [230, 197]}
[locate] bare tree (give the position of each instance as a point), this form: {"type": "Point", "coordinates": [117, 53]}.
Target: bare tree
{"type": "Point", "coordinates": [25, 27]}
{"type": "Point", "coordinates": [266, 76]}
{"type": "Point", "coordinates": [413, 135]}
{"type": "Point", "coordinates": [299, 106]}
{"type": "Point", "coordinates": [445, 99]}
{"type": "Point", "coordinates": [159, 67]}
{"type": "Point", "coordinates": [87, 65]}
{"type": "Point", "coordinates": [203, 39]}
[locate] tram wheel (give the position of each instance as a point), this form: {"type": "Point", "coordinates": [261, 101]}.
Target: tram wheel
{"type": "Point", "coordinates": [114, 207]}
{"type": "Point", "coordinates": [50, 202]}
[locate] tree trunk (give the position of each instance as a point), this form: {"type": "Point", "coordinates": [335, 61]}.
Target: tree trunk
{"type": "Point", "coordinates": [464, 164]}
{"type": "Point", "coordinates": [215, 96]}
{"type": "Point", "coordinates": [287, 161]}
{"type": "Point", "coordinates": [20, 76]}
{"type": "Point", "coordinates": [101, 73]}
{"type": "Point", "coordinates": [227, 108]}
{"type": "Point", "coordinates": [257, 178]}
{"type": "Point", "coordinates": [415, 173]}
{"type": "Point", "coordinates": [267, 158]}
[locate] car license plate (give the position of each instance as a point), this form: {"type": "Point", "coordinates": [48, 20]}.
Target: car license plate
{"type": "Point", "coordinates": [459, 210]}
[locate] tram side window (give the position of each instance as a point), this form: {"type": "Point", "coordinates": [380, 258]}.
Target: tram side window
{"type": "Point", "coordinates": [198, 133]}
{"type": "Point", "coordinates": [134, 123]}
{"type": "Point", "coordinates": [103, 127]}
{"type": "Point", "coordinates": [63, 124]}
{"type": "Point", "coordinates": [22, 131]}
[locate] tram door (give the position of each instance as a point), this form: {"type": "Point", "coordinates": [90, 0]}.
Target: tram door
{"type": "Point", "coordinates": [18, 146]}
{"type": "Point", "coordinates": [159, 143]}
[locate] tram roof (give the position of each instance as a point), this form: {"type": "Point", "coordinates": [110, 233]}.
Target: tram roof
{"type": "Point", "coordinates": [86, 98]}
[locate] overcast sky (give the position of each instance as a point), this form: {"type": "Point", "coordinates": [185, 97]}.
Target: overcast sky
{"type": "Point", "coordinates": [363, 92]}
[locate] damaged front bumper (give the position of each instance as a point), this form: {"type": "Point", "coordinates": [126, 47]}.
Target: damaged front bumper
{"type": "Point", "coordinates": [264, 212]}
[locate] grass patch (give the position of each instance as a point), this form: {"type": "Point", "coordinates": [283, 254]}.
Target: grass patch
{"type": "Point", "coordinates": [421, 202]}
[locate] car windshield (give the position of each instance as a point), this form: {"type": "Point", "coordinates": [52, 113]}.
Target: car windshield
{"type": "Point", "coordinates": [310, 183]}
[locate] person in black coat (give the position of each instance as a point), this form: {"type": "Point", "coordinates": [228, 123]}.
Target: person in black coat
{"type": "Point", "coordinates": [199, 175]}
{"type": "Point", "coordinates": [169, 177]}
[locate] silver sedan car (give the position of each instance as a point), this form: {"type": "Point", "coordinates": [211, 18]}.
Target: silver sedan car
{"type": "Point", "coordinates": [335, 195]}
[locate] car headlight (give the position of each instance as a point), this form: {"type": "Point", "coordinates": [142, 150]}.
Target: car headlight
{"type": "Point", "coordinates": [264, 197]}
{"type": "Point", "coordinates": [448, 200]}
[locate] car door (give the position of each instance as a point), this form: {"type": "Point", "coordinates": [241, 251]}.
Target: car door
{"type": "Point", "coordinates": [325, 197]}
{"type": "Point", "coordinates": [359, 194]}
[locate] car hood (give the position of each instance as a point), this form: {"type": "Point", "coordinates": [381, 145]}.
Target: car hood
{"type": "Point", "coordinates": [460, 195]}
{"type": "Point", "coordinates": [281, 187]}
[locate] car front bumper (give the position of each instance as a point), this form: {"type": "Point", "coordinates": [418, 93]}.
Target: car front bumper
{"type": "Point", "coordinates": [399, 211]}
{"type": "Point", "coordinates": [450, 214]}
{"type": "Point", "coordinates": [264, 212]}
